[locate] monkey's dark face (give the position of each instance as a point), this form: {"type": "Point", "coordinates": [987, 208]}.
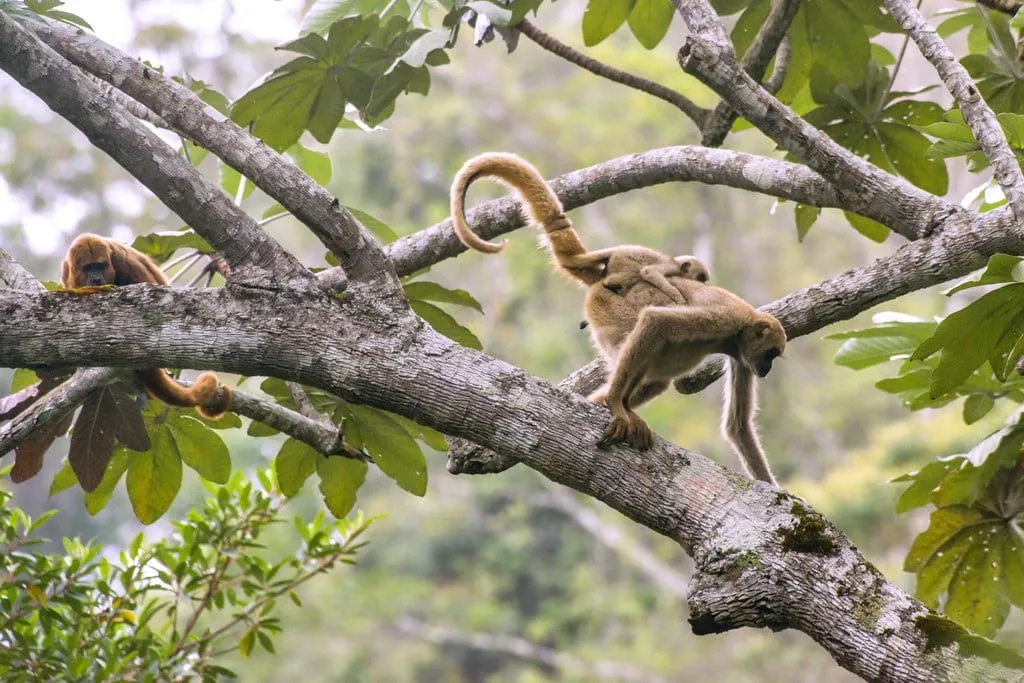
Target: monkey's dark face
{"type": "Point", "coordinates": [97, 273]}
{"type": "Point", "coordinates": [763, 365]}
{"type": "Point", "coordinates": [762, 342]}
{"type": "Point", "coordinates": [93, 265]}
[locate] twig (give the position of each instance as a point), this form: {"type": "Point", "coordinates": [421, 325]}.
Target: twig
{"type": "Point", "coordinates": [766, 44]}
{"type": "Point", "coordinates": [696, 113]}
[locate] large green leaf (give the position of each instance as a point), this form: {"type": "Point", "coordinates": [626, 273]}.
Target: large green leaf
{"type": "Point", "coordinates": [968, 337]}
{"type": "Point", "coordinates": [159, 246]}
{"type": "Point", "coordinates": [919, 493]}
{"type": "Point", "coordinates": [649, 21]}
{"type": "Point", "coordinates": [976, 598]}
{"type": "Point", "coordinates": [154, 477]}
{"type": "Point", "coordinates": [445, 324]}
{"type": "Point", "coordinates": [891, 337]}
{"type": "Point", "coordinates": [602, 18]}
{"type": "Point", "coordinates": [392, 448]}
{"type": "Point", "coordinates": [1001, 268]}
{"type": "Point", "coordinates": [340, 479]}
{"type": "Point", "coordinates": [422, 290]}
{"type": "Point", "coordinates": [294, 464]}
{"type": "Point", "coordinates": [201, 448]}
{"type": "Point", "coordinates": [96, 500]}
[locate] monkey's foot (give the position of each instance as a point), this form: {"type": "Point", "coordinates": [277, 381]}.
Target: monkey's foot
{"type": "Point", "coordinates": [631, 430]}
{"type": "Point", "coordinates": [599, 397]}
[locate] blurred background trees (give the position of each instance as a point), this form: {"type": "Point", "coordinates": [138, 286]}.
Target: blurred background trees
{"type": "Point", "coordinates": [506, 578]}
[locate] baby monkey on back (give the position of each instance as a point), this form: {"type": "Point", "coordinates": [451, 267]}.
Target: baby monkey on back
{"type": "Point", "coordinates": [646, 335]}
{"type": "Point", "coordinates": [630, 269]}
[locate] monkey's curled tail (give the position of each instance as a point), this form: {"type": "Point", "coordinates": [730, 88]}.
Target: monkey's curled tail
{"type": "Point", "coordinates": [542, 204]}
{"type": "Point", "coordinates": [738, 428]}
{"type": "Point", "coordinates": [199, 395]}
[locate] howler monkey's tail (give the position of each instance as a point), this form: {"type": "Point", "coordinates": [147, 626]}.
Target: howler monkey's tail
{"type": "Point", "coordinates": [200, 395]}
{"type": "Point", "coordinates": [738, 420]}
{"type": "Point", "coordinates": [542, 205]}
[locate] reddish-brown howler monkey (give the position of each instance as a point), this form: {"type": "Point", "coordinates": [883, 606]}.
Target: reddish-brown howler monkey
{"type": "Point", "coordinates": [94, 261]}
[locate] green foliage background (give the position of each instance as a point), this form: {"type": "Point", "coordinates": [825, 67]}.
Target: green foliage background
{"type": "Point", "coordinates": [502, 555]}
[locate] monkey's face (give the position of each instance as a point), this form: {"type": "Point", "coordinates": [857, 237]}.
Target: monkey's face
{"type": "Point", "coordinates": [93, 265]}
{"type": "Point", "coordinates": [762, 343]}
{"type": "Point", "coordinates": [691, 267]}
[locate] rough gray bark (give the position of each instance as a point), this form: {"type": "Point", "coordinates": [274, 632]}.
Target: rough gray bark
{"type": "Point", "coordinates": [763, 558]}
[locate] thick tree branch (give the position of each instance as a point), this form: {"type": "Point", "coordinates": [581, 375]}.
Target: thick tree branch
{"type": "Point", "coordinates": [548, 42]}
{"type": "Point", "coordinates": [784, 566]}
{"type": "Point", "coordinates": [977, 114]}
{"type": "Point", "coordinates": [674, 164]}
{"type": "Point", "coordinates": [358, 252]}
{"type": "Point", "coordinates": [962, 247]}
{"type": "Point", "coordinates": [713, 61]}
{"type": "Point", "coordinates": [255, 255]}
{"type": "Point", "coordinates": [766, 45]}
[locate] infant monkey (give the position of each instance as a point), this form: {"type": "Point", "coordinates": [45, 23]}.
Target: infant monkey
{"type": "Point", "coordinates": [623, 272]}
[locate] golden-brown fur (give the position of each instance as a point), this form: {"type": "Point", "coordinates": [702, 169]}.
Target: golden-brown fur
{"type": "Point", "coordinates": [646, 337]}
{"type": "Point", "coordinates": [668, 341]}
{"type": "Point", "coordinates": [93, 261]}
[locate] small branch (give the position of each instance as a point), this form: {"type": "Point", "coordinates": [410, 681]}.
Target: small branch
{"type": "Point", "coordinates": [977, 114]}
{"type": "Point", "coordinates": [326, 439]}
{"type": "Point", "coordinates": [661, 574]}
{"type": "Point", "coordinates": [782, 58]}
{"type": "Point", "coordinates": [56, 404]}
{"type": "Point", "coordinates": [766, 44]}
{"type": "Point", "coordinates": [1008, 7]}
{"type": "Point", "coordinates": [548, 42]}
{"type": "Point", "coordinates": [920, 215]}
{"type": "Point", "coordinates": [143, 154]}
{"type": "Point", "coordinates": [520, 648]}
{"type": "Point", "coordinates": [358, 252]}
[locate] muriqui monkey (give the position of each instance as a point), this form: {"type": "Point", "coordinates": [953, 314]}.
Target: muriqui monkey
{"type": "Point", "coordinates": [619, 266]}
{"type": "Point", "coordinates": [645, 336]}
{"type": "Point", "coordinates": [94, 261]}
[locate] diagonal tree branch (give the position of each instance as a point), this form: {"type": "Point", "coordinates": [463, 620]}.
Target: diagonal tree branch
{"type": "Point", "coordinates": [766, 45]}
{"type": "Point", "coordinates": [675, 164]}
{"type": "Point", "coordinates": [977, 114]}
{"type": "Point", "coordinates": [960, 248]}
{"type": "Point", "coordinates": [548, 42]}
{"type": "Point", "coordinates": [358, 252]}
{"type": "Point", "coordinates": [395, 362]}
{"type": "Point", "coordinates": [254, 254]}
{"type": "Point", "coordinates": [709, 56]}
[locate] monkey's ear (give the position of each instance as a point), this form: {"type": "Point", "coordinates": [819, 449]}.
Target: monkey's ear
{"type": "Point", "coordinates": [762, 328]}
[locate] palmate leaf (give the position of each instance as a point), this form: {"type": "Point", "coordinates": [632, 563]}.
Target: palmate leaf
{"type": "Point", "coordinates": [294, 464]}
{"type": "Point", "coordinates": [201, 448]}
{"type": "Point", "coordinates": [893, 336]}
{"type": "Point", "coordinates": [963, 554]}
{"type": "Point", "coordinates": [108, 414]}
{"type": "Point", "coordinates": [650, 20]}
{"type": "Point", "coordinates": [159, 246]}
{"type": "Point", "coordinates": [971, 336]}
